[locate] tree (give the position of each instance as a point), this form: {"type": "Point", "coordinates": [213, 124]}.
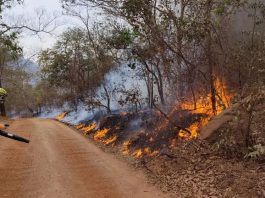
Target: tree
{"type": "Point", "coordinates": [74, 66]}
{"type": "Point", "coordinates": [169, 31]}
{"type": "Point", "coordinates": [9, 51]}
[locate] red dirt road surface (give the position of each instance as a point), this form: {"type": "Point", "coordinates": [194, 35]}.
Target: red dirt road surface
{"type": "Point", "coordinates": [59, 162]}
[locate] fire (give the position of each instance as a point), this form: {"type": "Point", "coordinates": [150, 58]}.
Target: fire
{"type": "Point", "coordinates": [79, 126]}
{"type": "Point", "coordinates": [100, 134]}
{"type": "Point", "coordinates": [138, 153]}
{"type": "Point", "coordinates": [146, 151]}
{"type": "Point", "coordinates": [89, 128]}
{"type": "Point", "coordinates": [110, 140]}
{"type": "Point", "coordinates": [149, 152]}
{"type": "Point", "coordinates": [204, 107]}
{"type": "Point", "coordinates": [61, 116]}
{"type": "Point", "coordinates": [125, 149]}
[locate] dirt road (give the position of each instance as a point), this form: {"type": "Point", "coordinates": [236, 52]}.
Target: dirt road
{"type": "Point", "coordinates": [59, 162]}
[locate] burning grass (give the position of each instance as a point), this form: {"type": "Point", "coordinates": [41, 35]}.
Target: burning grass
{"type": "Point", "coordinates": [100, 134]}
{"type": "Point", "coordinates": [111, 140]}
{"type": "Point", "coordinates": [87, 129]}
{"type": "Point", "coordinates": [80, 126]}
{"type": "Point", "coordinates": [138, 153]}
{"type": "Point", "coordinates": [203, 106]}
{"type": "Point", "coordinates": [61, 116]}
{"type": "Point", "coordinates": [189, 115]}
{"type": "Point", "coordinates": [154, 131]}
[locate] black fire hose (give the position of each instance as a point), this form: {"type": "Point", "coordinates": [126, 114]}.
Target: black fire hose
{"type": "Point", "coordinates": [13, 136]}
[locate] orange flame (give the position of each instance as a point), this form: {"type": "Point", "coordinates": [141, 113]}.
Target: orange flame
{"type": "Point", "coordinates": [110, 140]}
{"type": "Point", "coordinates": [79, 126]}
{"type": "Point", "coordinates": [89, 128]}
{"type": "Point", "coordinates": [125, 149]}
{"type": "Point", "coordinates": [204, 106]}
{"type": "Point", "coordinates": [138, 153]}
{"type": "Point", "coordinates": [61, 116]}
{"type": "Point", "coordinates": [100, 134]}
{"type": "Point", "coordinates": [149, 152]}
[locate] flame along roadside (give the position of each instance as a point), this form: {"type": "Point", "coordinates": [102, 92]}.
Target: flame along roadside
{"type": "Point", "coordinates": [203, 106]}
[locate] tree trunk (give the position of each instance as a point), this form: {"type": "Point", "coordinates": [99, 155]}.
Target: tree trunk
{"type": "Point", "coordinates": [108, 98]}
{"type": "Point", "coordinates": [157, 79]}
{"type": "Point", "coordinates": [210, 59]}
{"type": "Point", "coordinates": [160, 86]}
{"type": "Point", "coordinates": [150, 89]}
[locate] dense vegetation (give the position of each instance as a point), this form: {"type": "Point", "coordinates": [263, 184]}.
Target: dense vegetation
{"type": "Point", "coordinates": [24, 97]}
{"type": "Point", "coordinates": [180, 49]}
{"type": "Point", "coordinates": [157, 73]}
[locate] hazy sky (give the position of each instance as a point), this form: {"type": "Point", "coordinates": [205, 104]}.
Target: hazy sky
{"type": "Point", "coordinates": [32, 44]}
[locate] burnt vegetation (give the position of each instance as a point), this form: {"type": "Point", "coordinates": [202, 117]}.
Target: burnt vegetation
{"type": "Point", "coordinates": [194, 60]}
{"type": "Point", "coordinates": [162, 81]}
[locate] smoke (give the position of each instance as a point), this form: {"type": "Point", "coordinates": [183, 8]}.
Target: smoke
{"type": "Point", "coordinates": [242, 23]}
{"type": "Point", "coordinates": [119, 79]}
{"type": "Point", "coordinates": [50, 113]}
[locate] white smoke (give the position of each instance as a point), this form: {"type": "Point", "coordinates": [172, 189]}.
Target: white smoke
{"type": "Point", "coordinates": [121, 77]}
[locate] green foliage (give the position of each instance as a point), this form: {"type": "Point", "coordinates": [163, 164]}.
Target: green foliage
{"type": "Point", "coordinates": [59, 63]}
{"type": "Point", "coordinates": [9, 45]}
{"type": "Point", "coordinates": [181, 45]}
{"type": "Point", "coordinates": [76, 64]}
{"type": "Point", "coordinates": [54, 66]}
{"type": "Point", "coordinates": [121, 38]}
{"type": "Point", "coordinates": [16, 82]}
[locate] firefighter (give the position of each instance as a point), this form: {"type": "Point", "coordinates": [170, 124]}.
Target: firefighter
{"type": "Point", "coordinates": [3, 94]}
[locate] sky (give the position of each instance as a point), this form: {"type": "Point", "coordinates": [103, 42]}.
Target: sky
{"type": "Point", "coordinates": [27, 13]}
{"type": "Point", "coordinates": [32, 43]}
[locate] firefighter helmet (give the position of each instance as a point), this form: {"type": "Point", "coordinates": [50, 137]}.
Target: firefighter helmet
{"type": "Point", "coordinates": [3, 92]}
